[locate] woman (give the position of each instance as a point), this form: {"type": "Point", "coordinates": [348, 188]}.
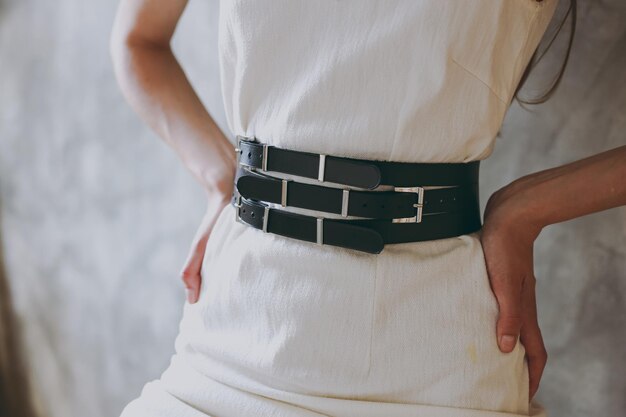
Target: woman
{"type": "Point", "coordinates": [284, 327]}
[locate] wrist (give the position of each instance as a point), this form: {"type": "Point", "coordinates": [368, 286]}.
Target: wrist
{"type": "Point", "coordinates": [220, 184]}
{"type": "Point", "coordinates": [217, 177]}
{"type": "Point", "coordinates": [515, 207]}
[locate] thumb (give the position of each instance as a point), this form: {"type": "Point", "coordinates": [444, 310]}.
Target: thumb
{"type": "Point", "coordinates": [509, 323]}
{"type": "Point", "coordinates": [191, 271]}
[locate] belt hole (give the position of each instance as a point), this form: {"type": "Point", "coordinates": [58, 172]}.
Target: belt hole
{"type": "Point", "coordinates": [244, 210]}
{"type": "Point", "coordinates": [252, 213]}
{"type": "Point", "coordinates": [249, 154]}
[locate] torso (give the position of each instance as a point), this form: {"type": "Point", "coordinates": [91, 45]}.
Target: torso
{"type": "Point", "coordinates": [390, 80]}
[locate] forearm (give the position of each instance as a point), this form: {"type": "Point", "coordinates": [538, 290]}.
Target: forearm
{"type": "Point", "coordinates": [157, 88]}
{"type": "Point", "coordinates": [573, 190]}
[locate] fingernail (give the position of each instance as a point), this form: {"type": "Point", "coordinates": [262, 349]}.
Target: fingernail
{"type": "Point", "coordinates": [507, 342]}
{"type": "Point", "coordinates": [190, 295]}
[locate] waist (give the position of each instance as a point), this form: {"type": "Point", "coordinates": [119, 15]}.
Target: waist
{"type": "Point", "coordinates": [356, 203]}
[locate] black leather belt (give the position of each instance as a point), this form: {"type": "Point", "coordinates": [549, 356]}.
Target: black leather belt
{"type": "Point", "coordinates": [408, 213]}
{"type": "Point", "coordinates": [350, 171]}
{"type": "Point", "coordinates": [352, 202]}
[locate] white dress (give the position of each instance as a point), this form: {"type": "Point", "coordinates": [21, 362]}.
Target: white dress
{"type": "Point", "coordinates": [288, 328]}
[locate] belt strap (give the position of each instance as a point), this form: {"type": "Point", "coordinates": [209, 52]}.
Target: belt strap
{"type": "Point", "coordinates": [352, 171]}
{"type": "Point", "coordinates": [351, 202]}
{"type": "Point", "coordinates": [368, 235]}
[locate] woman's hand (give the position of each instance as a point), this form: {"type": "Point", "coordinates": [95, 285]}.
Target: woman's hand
{"type": "Point", "coordinates": [514, 217]}
{"type": "Point", "coordinates": [191, 271]}
{"type": "Point", "coordinates": [155, 85]}
{"type": "Point", "coordinates": [507, 238]}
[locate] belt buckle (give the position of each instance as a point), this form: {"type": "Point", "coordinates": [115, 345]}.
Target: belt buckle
{"type": "Point", "coordinates": [419, 205]}
{"type": "Point", "coordinates": [238, 139]}
{"type": "Point", "coordinates": [252, 139]}
{"type": "Point", "coordinates": [237, 205]}
{"type": "Point", "coordinates": [237, 148]}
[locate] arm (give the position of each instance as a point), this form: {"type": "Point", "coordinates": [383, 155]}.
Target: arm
{"type": "Point", "coordinates": [514, 217]}
{"type": "Point", "coordinates": [573, 190]}
{"type": "Point", "coordinates": [157, 88]}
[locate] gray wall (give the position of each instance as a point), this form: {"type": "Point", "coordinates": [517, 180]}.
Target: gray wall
{"type": "Point", "coordinates": [98, 213]}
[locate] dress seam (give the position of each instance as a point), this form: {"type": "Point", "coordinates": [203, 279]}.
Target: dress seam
{"type": "Point", "coordinates": [479, 79]}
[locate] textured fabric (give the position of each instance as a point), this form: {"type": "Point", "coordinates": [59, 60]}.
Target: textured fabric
{"type": "Point", "coordinates": [288, 328]}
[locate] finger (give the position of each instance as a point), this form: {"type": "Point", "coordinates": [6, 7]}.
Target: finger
{"type": "Point", "coordinates": [532, 339]}
{"type": "Point", "coordinates": [191, 273]}
{"type": "Point", "coordinates": [537, 355]}
{"type": "Point", "coordinates": [508, 292]}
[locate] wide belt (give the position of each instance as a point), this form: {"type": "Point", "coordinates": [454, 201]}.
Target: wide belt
{"type": "Point", "coordinates": [351, 171]}
{"type": "Point", "coordinates": [408, 213]}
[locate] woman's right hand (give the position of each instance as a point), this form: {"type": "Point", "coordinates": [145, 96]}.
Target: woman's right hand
{"type": "Point", "coordinates": [191, 271]}
{"type": "Point", "coordinates": [155, 85]}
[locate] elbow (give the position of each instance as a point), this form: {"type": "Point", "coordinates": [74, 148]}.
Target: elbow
{"type": "Point", "coordinates": [135, 35]}
{"type": "Point", "coordinates": [123, 45]}
{"type": "Point", "coordinates": [125, 62]}
{"type": "Point", "coordinates": [125, 56]}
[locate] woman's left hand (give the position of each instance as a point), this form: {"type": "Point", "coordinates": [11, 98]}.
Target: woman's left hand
{"type": "Point", "coordinates": [507, 238]}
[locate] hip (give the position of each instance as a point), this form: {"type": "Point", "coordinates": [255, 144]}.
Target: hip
{"type": "Point", "coordinates": [416, 321]}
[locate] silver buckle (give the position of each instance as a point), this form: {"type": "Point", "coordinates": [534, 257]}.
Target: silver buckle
{"type": "Point", "coordinates": [419, 205]}
{"type": "Point", "coordinates": [237, 205]}
{"type": "Point", "coordinates": [238, 149]}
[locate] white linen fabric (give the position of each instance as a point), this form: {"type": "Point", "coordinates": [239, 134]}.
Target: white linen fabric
{"type": "Point", "coordinates": [289, 328]}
